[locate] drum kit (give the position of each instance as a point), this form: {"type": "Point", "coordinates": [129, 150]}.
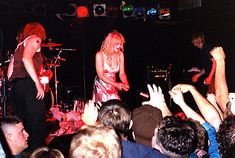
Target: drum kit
{"type": "Point", "coordinates": [46, 73]}
{"type": "Point", "coordinates": [47, 70]}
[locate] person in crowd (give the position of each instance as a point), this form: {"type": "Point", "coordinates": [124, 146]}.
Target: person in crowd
{"type": "Point", "coordinates": [225, 134]}
{"type": "Point", "coordinates": [206, 74]}
{"type": "Point", "coordinates": [221, 88]}
{"type": "Point", "coordinates": [109, 61]}
{"type": "Point", "coordinates": [95, 141]}
{"type": "Point", "coordinates": [115, 113]}
{"type": "Point", "coordinates": [45, 152]}
{"type": "Point", "coordinates": [27, 92]}
{"type": "Point", "coordinates": [15, 135]}
{"type": "Point", "coordinates": [175, 137]}
{"type": "Point", "coordinates": [157, 100]}
{"type": "Point", "coordinates": [210, 118]}
{"type": "Point", "coordinates": [170, 136]}
{"type": "Point", "coordinates": [145, 119]}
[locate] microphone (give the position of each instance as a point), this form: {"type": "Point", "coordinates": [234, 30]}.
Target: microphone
{"type": "Point", "coordinates": [65, 49]}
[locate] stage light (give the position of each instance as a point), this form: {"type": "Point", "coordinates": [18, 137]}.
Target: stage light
{"type": "Point", "coordinates": [70, 9]}
{"type": "Point", "coordinates": [39, 10]}
{"type": "Point", "coordinates": [82, 11]}
{"type": "Point", "coordinates": [164, 13]}
{"type": "Point", "coordinates": [112, 11]}
{"type": "Point", "coordinates": [152, 11]}
{"type": "Point", "coordinates": [140, 12]}
{"type": "Point", "coordinates": [99, 9]}
{"type": "Point", "coordinates": [128, 11]}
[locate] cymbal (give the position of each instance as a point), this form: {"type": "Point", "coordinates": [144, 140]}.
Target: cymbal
{"type": "Point", "coordinates": [53, 65]}
{"type": "Point", "coordinates": [51, 44]}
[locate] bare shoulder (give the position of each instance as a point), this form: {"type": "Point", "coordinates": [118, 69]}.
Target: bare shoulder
{"type": "Point", "coordinates": [99, 54]}
{"type": "Point", "coordinates": [121, 55]}
{"type": "Point", "coordinates": [35, 39]}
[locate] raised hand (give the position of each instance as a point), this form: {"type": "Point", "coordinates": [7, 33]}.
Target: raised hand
{"type": "Point", "coordinates": [218, 53]}
{"type": "Point", "coordinates": [156, 96]}
{"type": "Point", "coordinates": [177, 96]}
{"type": "Point", "coordinates": [157, 100]}
{"type": "Point", "coordinates": [90, 114]}
{"type": "Point", "coordinates": [183, 87]}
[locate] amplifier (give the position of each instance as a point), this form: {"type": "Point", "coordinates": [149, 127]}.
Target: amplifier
{"type": "Point", "coordinates": [157, 74]}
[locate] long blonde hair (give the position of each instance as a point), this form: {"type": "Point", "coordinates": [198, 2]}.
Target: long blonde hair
{"type": "Point", "coordinates": [110, 40]}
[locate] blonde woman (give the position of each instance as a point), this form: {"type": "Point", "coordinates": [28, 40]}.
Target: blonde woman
{"type": "Point", "coordinates": [109, 62]}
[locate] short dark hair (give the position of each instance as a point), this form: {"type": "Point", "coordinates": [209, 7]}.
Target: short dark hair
{"type": "Point", "coordinates": [201, 134]}
{"type": "Point", "coordinates": [9, 120]}
{"type": "Point", "coordinates": [176, 137]}
{"type": "Point", "coordinates": [225, 134]}
{"type": "Point", "coordinates": [145, 119]}
{"type": "Point", "coordinates": [115, 113]}
{"type": "Point", "coordinates": [230, 152]}
{"type": "Point", "coordinates": [196, 35]}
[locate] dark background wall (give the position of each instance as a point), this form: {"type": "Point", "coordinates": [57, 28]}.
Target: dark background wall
{"type": "Point", "coordinates": [157, 43]}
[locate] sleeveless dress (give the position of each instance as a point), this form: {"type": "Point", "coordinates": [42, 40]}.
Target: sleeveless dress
{"type": "Point", "coordinates": [103, 91]}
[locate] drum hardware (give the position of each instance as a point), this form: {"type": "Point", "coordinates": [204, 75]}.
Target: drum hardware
{"type": "Point", "coordinates": [56, 64]}
{"type": "Point", "coordinates": [4, 80]}
{"type": "Point", "coordinates": [51, 44]}
{"type": "Point", "coordinates": [64, 49]}
{"type": "Point", "coordinates": [53, 65]}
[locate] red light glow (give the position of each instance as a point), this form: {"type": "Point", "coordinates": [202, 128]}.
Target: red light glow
{"type": "Point", "coordinates": [82, 11]}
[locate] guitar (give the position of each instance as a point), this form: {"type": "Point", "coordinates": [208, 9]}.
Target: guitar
{"type": "Point", "coordinates": [45, 75]}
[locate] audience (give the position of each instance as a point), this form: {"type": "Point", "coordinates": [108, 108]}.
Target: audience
{"type": "Point", "coordinates": [15, 135]}
{"type": "Point", "coordinates": [207, 110]}
{"type": "Point", "coordinates": [95, 142]}
{"type": "Point", "coordinates": [157, 100]}
{"type": "Point", "coordinates": [115, 113]}
{"type": "Point", "coordinates": [45, 152]}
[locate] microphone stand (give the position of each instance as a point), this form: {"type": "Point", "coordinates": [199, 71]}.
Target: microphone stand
{"type": "Point", "coordinates": [4, 95]}
{"type": "Point", "coordinates": [55, 77]}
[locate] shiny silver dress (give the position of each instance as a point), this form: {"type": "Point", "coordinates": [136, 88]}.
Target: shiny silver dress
{"type": "Point", "coordinates": [103, 91]}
